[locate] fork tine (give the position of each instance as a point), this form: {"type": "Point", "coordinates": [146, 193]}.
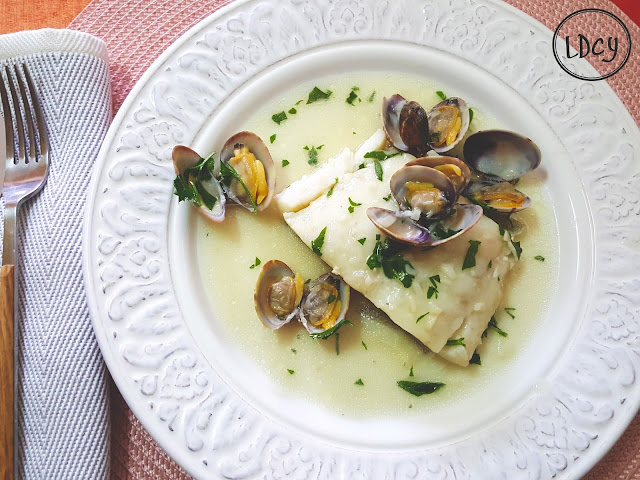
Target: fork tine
{"type": "Point", "coordinates": [42, 127]}
{"type": "Point", "coordinates": [8, 123]}
{"type": "Point", "coordinates": [31, 146]}
{"type": "Point", "coordinates": [17, 115]}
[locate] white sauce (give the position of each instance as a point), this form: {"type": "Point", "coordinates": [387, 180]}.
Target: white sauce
{"type": "Point", "coordinates": [320, 374]}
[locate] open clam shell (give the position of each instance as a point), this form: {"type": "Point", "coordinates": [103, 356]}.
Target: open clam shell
{"type": "Point", "coordinates": [399, 226]}
{"type": "Point", "coordinates": [277, 297]}
{"type": "Point", "coordinates": [434, 203]}
{"type": "Point", "coordinates": [454, 168]}
{"type": "Point", "coordinates": [406, 124]}
{"type": "Point", "coordinates": [261, 152]}
{"type": "Point", "coordinates": [501, 155]}
{"type": "Point", "coordinates": [325, 303]}
{"type": "Point", "coordinates": [463, 218]}
{"type": "Point", "coordinates": [502, 197]}
{"type": "Point", "coordinates": [184, 158]}
{"type": "Point", "coordinates": [440, 119]}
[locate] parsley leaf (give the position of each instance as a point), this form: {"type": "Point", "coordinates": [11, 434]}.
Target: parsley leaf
{"type": "Point", "coordinates": [371, 97]}
{"type": "Point", "coordinates": [317, 94]}
{"type": "Point", "coordinates": [291, 372]}
{"type": "Point", "coordinates": [470, 257]}
{"type": "Point", "coordinates": [353, 205]}
{"type": "Point", "coordinates": [378, 168]}
{"type": "Point", "coordinates": [327, 333]}
{"type": "Point", "coordinates": [353, 96]}
{"type": "Point", "coordinates": [420, 388]}
{"type": "Point", "coordinates": [362, 240]}
{"type": "Point", "coordinates": [441, 95]}
{"type": "Point", "coordinates": [272, 138]}
{"type": "Point", "coordinates": [331, 299]}
{"type": "Point", "coordinates": [359, 382]}
{"type": "Point", "coordinates": [188, 185]}
{"type": "Point", "coordinates": [387, 198]}
{"type": "Point", "coordinates": [540, 258]}
{"type": "Point", "coordinates": [455, 342]}
{"type": "Point", "coordinates": [422, 316]}
{"type": "Point", "coordinates": [285, 162]}
{"type": "Point", "coordinates": [381, 155]}
{"type": "Point", "coordinates": [509, 310]}
{"type": "Point", "coordinates": [475, 359]}
{"type": "Point", "coordinates": [330, 192]}
{"type": "Point", "coordinates": [279, 117]}
{"type": "Point", "coordinates": [393, 264]}
{"type": "Point", "coordinates": [292, 111]}
{"type": "Point", "coordinates": [361, 166]}
{"type": "Point", "coordinates": [470, 115]}
{"type": "Point", "coordinates": [313, 154]}
{"type": "Point", "coordinates": [364, 345]}
{"type": "Point", "coordinates": [316, 245]}
{"type": "Point", "coordinates": [256, 263]}
{"type": "Point", "coordinates": [411, 371]}
{"type": "Point", "coordinates": [516, 246]}
{"type": "Point", "coordinates": [493, 323]}
{"type": "Point", "coordinates": [433, 289]}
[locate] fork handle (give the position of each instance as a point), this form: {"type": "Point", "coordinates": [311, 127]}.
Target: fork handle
{"type": "Point", "coordinates": [6, 371]}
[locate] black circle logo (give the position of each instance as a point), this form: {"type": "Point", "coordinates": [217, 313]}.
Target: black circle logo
{"type": "Point", "coordinates": [595, 35]}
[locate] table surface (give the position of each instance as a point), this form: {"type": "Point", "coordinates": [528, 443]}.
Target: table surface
{"type": "Point", "coordinates": [16, 15]}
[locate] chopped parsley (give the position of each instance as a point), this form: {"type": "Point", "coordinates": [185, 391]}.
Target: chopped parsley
{"type": "Point", "coordinates": [435, 137]}
{"type": "Point", "coordinates": [228, 174]}
{"type": "Point", "coordinates": [317, 94]}
{"type": "Point", "coordinates": [316, 245]}
{"type": "Point", "coordinates": [353, 96]}
{"type": "Point", "coordinates": [272, 138]}
{"type": "Point", "coordinates": [299, 102]}
{"type": "Point", "coordinates": [490, 264]}
{"type": "Point", "coordinates": [292, 111]}
{"type": "Point", "coordinates": [364, 345]}
{"type": "Point", "coordinates": [540, 258]}
{"type": "Point", "coordinates": [509, 311]}
{"type": "Point", "coordinates": [256, 263]}
{"type": "Point", "coordinates": [285, 162]}
{"type": "Point", "coordinates": [518, 249]}
{"type": "Point", "coordinates": [387, 198]}
{"type": "Point", "coordinates": [420, 388]}
{"type": "Point", "coordinates": [381, 155]}
{"type": "Point", "coordinates": [330, 192]}
{"type": "Point", "coordinates": [279, 117]}
{"type": "Point", "coordinates": [386, 256]}
{"type": "Point", "coordinates": [371, 97]}
{"type": "Point", "coordinates": [411, 371]}
{"type": "Point", "coordinates": [433, 288]}
{"type": "Point", "coordinates": [359, 382]}
{"type": "Point", "coordinates": [361, 166]}
{"type": "Point", "coordinates": [188, 185]}
{"type": "Point", "coordinates": [493, 323]}
{"type": "Point", "coordinates": [291, 372]}
{"type": "Point", "coordinates": [362, 240]}
{"type": "Point", "coordinates": [475, 359]}
{"type": "Point", "coordinates": [470, 115]}
{"type": "Point", "coordinates": [327, 333]}
{"type": "Point", "coordinates": [353, 205]}
{"type": "Point", "coordinates": [313, 154]}
{"type": "Point", "coordinates": [378, 168]}
{"type": "Point", "coordinates": [422, 316]}
{"type": "Point", "coordinates": [439, 232]}
{"type": "Point", "coordinates": [441, 95]}
{"type": "Point", "coordinates": [456, 342]}
{"type": "Point", "coordinates": [294, 350]}
{"type": "Point", "coordinates": [337, 344]}
{"type": "Point", "coordinates": [307, 281]}
{"type": "Point", "coordinates": [470, 257]}
{"type": "Point", "coordinates": [331, 299]}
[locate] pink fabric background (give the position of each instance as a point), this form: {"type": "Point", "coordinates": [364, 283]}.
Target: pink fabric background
{"type": "Point", "coordinates": [137, 31]}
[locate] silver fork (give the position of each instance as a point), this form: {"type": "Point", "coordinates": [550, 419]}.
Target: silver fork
{"type": "Point", "coordinates": [25, 174]}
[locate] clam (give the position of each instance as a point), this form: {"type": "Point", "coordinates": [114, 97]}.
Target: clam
{"type": "Point", "coordinates": [424, 190]}
{"type": "Point", "coordinates": [500, 158]}
{"type": "Point", "coordinates": [247, 154]}
{"type": "Point", "coordinates": [448, 124]}
{"type": "Point", "coordinates": [204, 181]}
{"type": "Point", "coordinates": [406, 124]}
{"type": "Point", "coordinates": [402, 228]}
{"type": "Point", "coordinates": [325, 303]}
{"type": "Point", "coordinates": [455, 169]}
{"type": "Point", "coordinates": [278, 294]}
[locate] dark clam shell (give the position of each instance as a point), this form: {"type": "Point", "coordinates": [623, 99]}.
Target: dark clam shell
{"type": "Point", "coordinates": [422, 174]}
{"type": "Point", "coordinates": [406, 124]}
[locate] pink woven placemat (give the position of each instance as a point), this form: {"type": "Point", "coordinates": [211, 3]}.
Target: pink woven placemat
{"type": "Point", "coordinates": [138, 31]}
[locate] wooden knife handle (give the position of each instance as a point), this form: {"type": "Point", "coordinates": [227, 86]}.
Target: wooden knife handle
{"type": "Point", "coordinates": [6, 371]}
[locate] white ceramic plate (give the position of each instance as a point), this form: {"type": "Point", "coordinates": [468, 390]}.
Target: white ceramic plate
{"type": "Point", "coordinates": [560, 408]}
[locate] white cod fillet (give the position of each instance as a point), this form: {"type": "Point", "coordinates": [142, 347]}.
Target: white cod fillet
{"type": "Point", "coordinates": [466, 299]}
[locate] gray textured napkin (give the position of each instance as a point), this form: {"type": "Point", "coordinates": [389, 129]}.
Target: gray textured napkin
{"type": "Point", "coordinates": [62, 410]}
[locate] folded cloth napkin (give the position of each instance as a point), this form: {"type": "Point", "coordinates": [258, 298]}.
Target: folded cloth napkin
{"type": "Point", "coordinates": [62, 399]}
